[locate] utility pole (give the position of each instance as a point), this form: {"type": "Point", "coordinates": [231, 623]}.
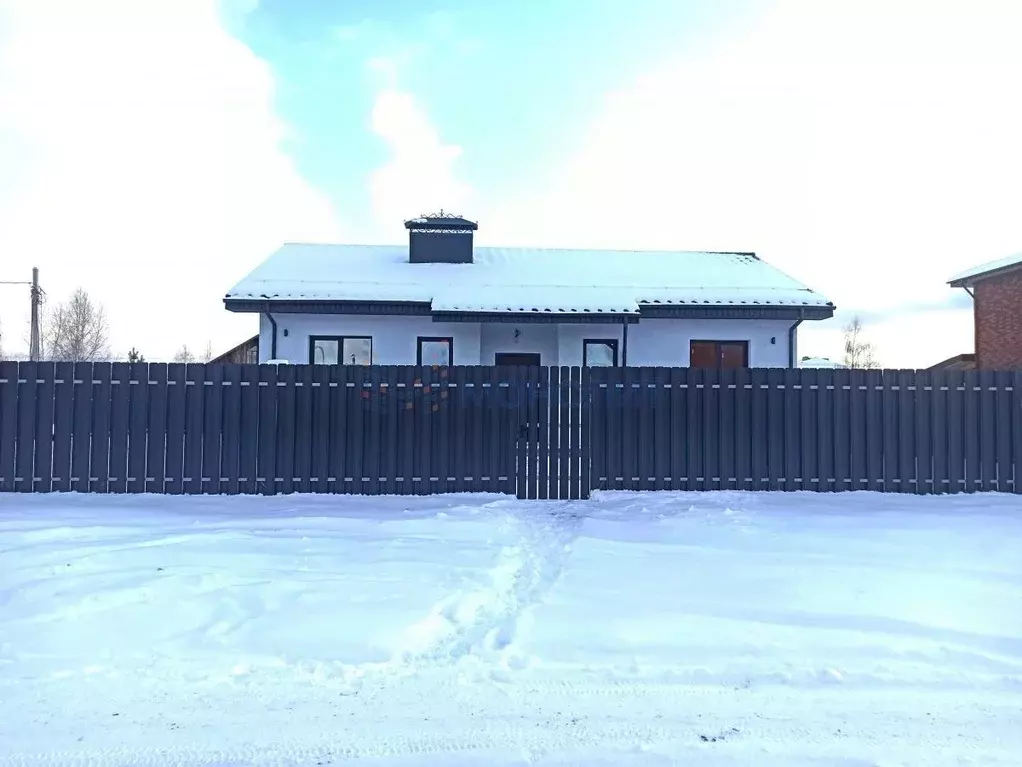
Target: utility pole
{"type": "Point", "coordinates": [34, 352]}
{"type": "Point", "coordinates": [37, 298]}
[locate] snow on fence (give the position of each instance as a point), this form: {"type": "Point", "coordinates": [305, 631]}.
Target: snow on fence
{"type": "Point", "coordinates": [535, 432]}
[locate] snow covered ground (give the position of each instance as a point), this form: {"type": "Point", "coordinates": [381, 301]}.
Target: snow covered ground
{"type": "Point", "coordinates": [704, 629]}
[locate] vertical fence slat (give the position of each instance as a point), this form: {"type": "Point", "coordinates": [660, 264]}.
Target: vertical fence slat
{"type": "Point", "coordinates": [1016, 431]}
{"type": "Point", "coordinates": [442, 412]}
{"type": "Point", "coordinates": [741, 403]}
{"type": "Point", "coordinates": [494, 414]}
{"type": "Point", "coordinates": [230, 442]}
{"type": "Point", "coordinates": [248, 430]}
{"type": "Point", "coordinates": [391, 438]}
{"type": "Point", "coordinates": [138, 426]}
{"type": "Point", "coordinates": [760, 429]}
{"type": "Point", "coordinates": [711, 429]}
{"type": "Point", "coordinates": [543, 426]}
{"type": "Point", "coordinates": [970, 427]}
{"type": "Point", "coordinates": [988, 428]}
{"type": "Point", "coordinates": [874, 396]}
{"type": "Point", "coordinates": [906, 412]}
{"type": "Point", "coordinates": [212, 427]}
{"type": "Point", "coordinates": [940, 398]}
{"type": "Point", "coordinates": [338, 468]}
{"type": "Point", "coordinates": [678, 428]}
{"type": "Point", "coordinates": [694, 445]}
{"type": "Point", "coordinates": [585, 433]}
{"type": "Point", "coordinates": [266, 460]}
{"type": "Point", "coordinates": [661, 428]}
{"type": "Point", "coordinates": [776, 427]}
{"type": "Point", "coordinates": [63, 425]}
{"type": "Point", "coordinates": [893, 482]}
{"type": "Point", "coordinates": [520, 460]}
{"type": "Point", "coordinates": [42, 471]}
{"type": "Point", "coordinates": [809, 428]}
{"type": "Point", "coordinates": [358, 402]}
{"type": "Point", "coordinates": [407, 424]}
{"type": "Point", "coordinates": [922, 404]}
{"type": "Point", "coordinates": [575, 453]}
{"type": "Point", "coordinates": [793, 394]}
{"type": "Point", "coordinates": [644, 445]}
{"type": "Point", "coordinates": [26, 394]}
{"type": "Point", "coordinates": [284, 471]}
{"type": "Point", "coordinates": [726, 407]}
{"type": "Point", "coordinates": [81, 449]}
{"type": "Point", "coordinates": [848, 466]}
{"type": "Point", "coordinates": [629, 440]}
{"type": "Point", "coordinates": [8, 423]}
{"type": "Point", "coordinates": [554, 442]}
{"type": "Point", "coordinates": [110, 402]}
{"type": "Point", "coordinates": [532, 458]}
{"type": "Point", "coordinates": [826, 442]}
{"type": "Point", "coordinates": [564, 424]}
{"type": "Point", "coordinates": [1003, 418]}
{"type": "Point", "coordinates": [955, 432]}
{"type": "Point", "coordinates": [156, 429]}
{"type": "Point", "coordinates": [372, 422]}
{"type": "Point", "coordinates": [423, 432]}
{"type": "Point", "coordinates": [176, 411]}
{"type": "Point", "coordinates": [321, 429]}
{"type": "Point", "coordinates": [305, 429]}
{"type": "Point", "coordinates": [479, 429]}
{"type": "Point", "coordinates": [195, 377]}
{"type": "Point", "coordinates": [614, 416]}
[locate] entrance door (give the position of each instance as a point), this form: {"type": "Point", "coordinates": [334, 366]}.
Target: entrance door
{"type": "Point", "coordinates": [517, 359]}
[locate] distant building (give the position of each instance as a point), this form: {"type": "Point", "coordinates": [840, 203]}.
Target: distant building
{"type": "Point", "coordinates": [245, 353]}
{"type": "Point", "coordinates": [996, 290]}
{"type": "Point", "coordinates": [819, 362]}
{"type": "Point", "coordinates": [439, 300]}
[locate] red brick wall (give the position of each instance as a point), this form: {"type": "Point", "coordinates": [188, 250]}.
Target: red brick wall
{"type": "Point", "coordinates": [999, 322]}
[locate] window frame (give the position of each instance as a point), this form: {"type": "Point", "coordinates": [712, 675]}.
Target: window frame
{"type": "Point", "coordinates": [434, 339]}
{"type": "Point", "coordinates": [611, 342]}
{"type": "Point", "coordinates": [718, 343]}
{"type": "Point", "coordinates": [340, 349]}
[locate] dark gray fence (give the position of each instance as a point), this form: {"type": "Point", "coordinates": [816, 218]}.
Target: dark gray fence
{"type": "Point", "coordinates": [534, 432]}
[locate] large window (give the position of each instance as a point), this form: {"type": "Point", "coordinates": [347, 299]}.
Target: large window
{"type": "Point", "coordinates": [435, 351]}
{"type": "Point", "coordinates": [599, 352]}
{"type": "Point", "coordinates": [720, 355]}
{"type": "Point", "coordinates": [341, 350]}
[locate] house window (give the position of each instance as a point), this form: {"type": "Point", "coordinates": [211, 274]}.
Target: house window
{"type": "Point", "coordinates": [599, 352]}
{"type": "Point", "coordinates": [435, 351]}
{"type": "Point", "coordinates": [721, 355]}
{"type": "Point", "coordinates": [341, 350]}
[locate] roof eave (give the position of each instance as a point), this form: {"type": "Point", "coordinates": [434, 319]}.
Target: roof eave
{"type": "Point", "coordinates": [424, 309]}
{"type": "Point", "coordinates": [970, 280]}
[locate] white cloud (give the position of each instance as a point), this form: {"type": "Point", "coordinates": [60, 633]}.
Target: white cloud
{"type": "Point", "coordinates": [148, 166]}
{"type": "Point", "coordinates": [870, 148]}
{"type": "Point", "coordinates": [420, 174]}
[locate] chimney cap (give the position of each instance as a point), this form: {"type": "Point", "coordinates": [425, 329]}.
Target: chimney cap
{"type": "Point", "coordinates": [441, 220]}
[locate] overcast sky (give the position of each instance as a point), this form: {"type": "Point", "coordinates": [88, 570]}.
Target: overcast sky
{"type": "Point", "coordinates": [154, 151]}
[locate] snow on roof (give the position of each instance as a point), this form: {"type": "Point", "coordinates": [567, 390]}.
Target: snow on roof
{"type": "Point", "coordinates": [523, 279]}
{"type": "Point", "coordinates": [983, 269]}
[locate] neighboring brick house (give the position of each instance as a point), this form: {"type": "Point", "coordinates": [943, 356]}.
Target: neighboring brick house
{"type": "Point", "coordinates": [996, 289]}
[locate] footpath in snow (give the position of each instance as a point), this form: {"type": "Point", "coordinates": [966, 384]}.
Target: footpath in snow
{"type": "Point", "coordinates": [710, 629]}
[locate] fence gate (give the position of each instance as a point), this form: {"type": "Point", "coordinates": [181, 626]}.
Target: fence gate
{"type": "Point", "coordinates": [552, 447]}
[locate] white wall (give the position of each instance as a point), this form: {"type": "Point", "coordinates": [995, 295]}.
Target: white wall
{"type": "Point", "coordinates": [650, 342]}
{"type": "Point", "coordinates": [394, 338]}
{"type": "Point", "coordinates": [665, 342]}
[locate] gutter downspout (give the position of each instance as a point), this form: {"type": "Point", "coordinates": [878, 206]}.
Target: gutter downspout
{"type": "Point", "coordinates": [624, 343]}
{"type": "Point", "coordinates": [273, 334]}
{"type": "Point", "coordinates": [791, 342]}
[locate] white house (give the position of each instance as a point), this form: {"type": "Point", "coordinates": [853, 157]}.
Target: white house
{"type": "Point", "coordinates": [439, 300]}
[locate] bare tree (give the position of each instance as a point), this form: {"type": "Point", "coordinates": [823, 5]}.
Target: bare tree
{"type": "Point", "coordinates": [184, 354]}
{"type": "Point", "coordinates": [77, 331]}
{"type": "Point", "coordinates": [207, 354]}
{"type": "Point", "coordinates": [859, 353]}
